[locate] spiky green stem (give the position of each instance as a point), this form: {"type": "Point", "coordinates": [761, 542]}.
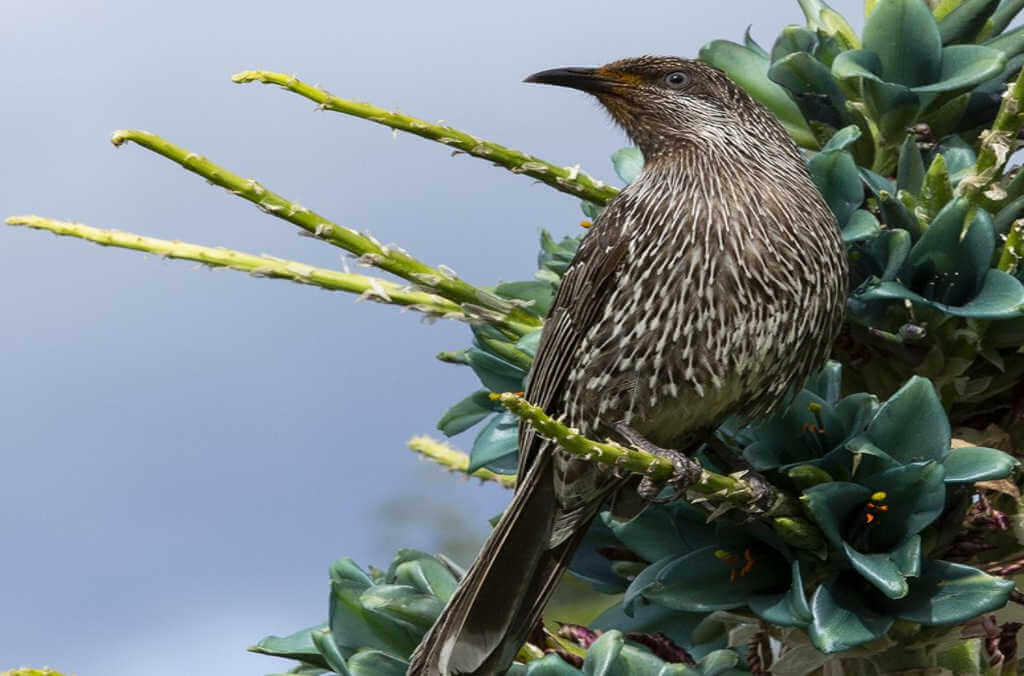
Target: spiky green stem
{"type": "Point", "coordinates": [567, 179]}
{"type": "Point", "coordinates": [370, 288]}
{"type": "Point", "coordinates": [476, 303]}
{"type": "Point", "coordinates": [457, 461]}
{"type": "Point", "coordinates": [1013, 248]}
{"type": "Point", "coordinates": [997, 145]}
{"type": "Point", "coordinates": [721, 491]}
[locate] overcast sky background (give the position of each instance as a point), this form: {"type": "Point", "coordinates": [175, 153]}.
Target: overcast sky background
{"type": "Point", "coordinates": [185, 451]}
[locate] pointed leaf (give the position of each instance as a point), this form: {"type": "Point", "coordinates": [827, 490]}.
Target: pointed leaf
{"type": "Point", "coordinates": [352, 625]}
{"type": "Point", "coordinates": [793, 39]}
{"type": "Point", "coordinates": [966, 21]}
{"type": "Point", "coordinates": [1009, 44]}
{"type": "Point", "coordinates": [827, 383]}
{"type": "Point", "coordinates": [812, 86]}
{"type": "Point", "coordinates": [842, 138]}
{"type": "Point", "coordinates": [427, 576]}
{"type": "Point", "coordinates": [1007, 215]}
{"type": "Point", "coordinates": [297, 646]}
{"type": "Point", "coordinates": [497, 374]}
{"type": "Point", "coordinates": [467, 413]}
{"type": "Point", "coordinates": [976, 463]}
{"type": "Point", "coordinates": [936, 192]}
{"type": "Point", "coordinates": [785, 610]}
{"type": "Point", "coordinates": [661, 531]}
{"type": "Point", "coordinates": [539, 293]}
{"type": "Point", "coordinates": [912, 425]}
{"type": "Point", "coordinates": [835, 173]}
{"type": "Point", "coordinates": [602, 655]}
{"type": "Point", "coordinates": [857, 63]}
{"type": "Point", "coordinates": [910, 175]}
{"type": "Point", "coordinates": [331, 653]}
{"type": "Point", "coordinates": [1001, 297]}
{"type": "Point", "coordinates": [950, 593]}
{"type": "Point", "coordinates": [877, 183]}
{"type": "Point", "coordinates": [751, 44]}
{"type": "Point", "coordinates": [964, 66]}
{"type": "Point", "coordinates": [906, 39]}
{"type": "Point", "coordinates": [496, 445]}
{"type": "Point", "coordinates": [1008, 10]}
{"type": "Point", "coordinates": [879, 570]}
{"type": "Point", "coordinates": [402, 604]}
{"type": "Point", "coordinates": [907, 557]}
{"type": "Point", "coordinates": [842, 622]}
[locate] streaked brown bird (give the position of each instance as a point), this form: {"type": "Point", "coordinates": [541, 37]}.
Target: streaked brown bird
{"type": "Point", "coordinates": [712, 285]}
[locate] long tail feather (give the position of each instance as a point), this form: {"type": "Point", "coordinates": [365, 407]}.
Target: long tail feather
{"type": "Point", "coordinates": [502, 596]}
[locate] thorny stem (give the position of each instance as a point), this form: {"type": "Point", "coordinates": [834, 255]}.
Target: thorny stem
{"type": "Point", "coordinates": [476, 303]}
{"type": "Point", "coordinates": [997, 145]}
{"type": "Point", "coordinates": [457, 461]}
{"type": "Point", "coordinates": [1012, 252]}
{"type": "Point", "coordinates": [724, 492]}
{"type": "Point", "coordinates": [567, 179]}
{"type": "Point", "coordinates": [370, 288]}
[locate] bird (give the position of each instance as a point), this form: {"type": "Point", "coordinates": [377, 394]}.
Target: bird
{"type": "Point", "coordinates": [711, 286]}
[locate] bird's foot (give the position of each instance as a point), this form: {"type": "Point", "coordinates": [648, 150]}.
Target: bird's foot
{"type": "Point", "coordinates": [687, 470]}
{"type": "Point", "coordinates": [763, 493]}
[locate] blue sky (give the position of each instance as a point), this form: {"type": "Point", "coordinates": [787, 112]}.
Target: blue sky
{"type": "Point", "coordinates": [184, 451]}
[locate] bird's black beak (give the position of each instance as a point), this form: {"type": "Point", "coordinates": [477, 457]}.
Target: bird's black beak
{"type": "Point", "coordinates": [585, 79]}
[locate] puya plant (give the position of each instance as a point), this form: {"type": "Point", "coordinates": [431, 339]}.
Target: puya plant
{"type": "Point", "coordinates": [894, 527]}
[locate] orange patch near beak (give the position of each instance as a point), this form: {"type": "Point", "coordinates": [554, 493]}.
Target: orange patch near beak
{"type": "Point", "coordinates": [624, 78]}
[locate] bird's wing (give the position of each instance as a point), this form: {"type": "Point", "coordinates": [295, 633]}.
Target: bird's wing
{"type": "Point", "coordinates": [580, 299]}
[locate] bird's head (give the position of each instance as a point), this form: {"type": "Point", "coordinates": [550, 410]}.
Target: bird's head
{"type": "Point", "coordinates": [668, 103]}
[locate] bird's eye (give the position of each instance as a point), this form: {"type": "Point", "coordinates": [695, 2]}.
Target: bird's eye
{"type": "Point", "coordinates": [677, 80]}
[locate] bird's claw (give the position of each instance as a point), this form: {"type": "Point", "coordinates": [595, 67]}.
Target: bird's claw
{"type": "Point", "coordinates": [651, 490]}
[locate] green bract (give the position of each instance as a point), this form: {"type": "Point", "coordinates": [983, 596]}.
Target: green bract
{"type": "Point", "coordinates": [949, 269]}
{"type": "Point", "coordinates": [375, 622]}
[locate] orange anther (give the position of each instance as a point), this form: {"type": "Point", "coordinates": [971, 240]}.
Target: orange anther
{"type": "Point", "coordinates": [750, 562]}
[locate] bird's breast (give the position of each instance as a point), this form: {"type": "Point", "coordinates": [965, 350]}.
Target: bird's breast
{"type": "Point", "coordinates": [719, 306]}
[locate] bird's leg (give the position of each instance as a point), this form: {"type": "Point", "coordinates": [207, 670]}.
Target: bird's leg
{"type": "Point", "coordinates": [688, 470]}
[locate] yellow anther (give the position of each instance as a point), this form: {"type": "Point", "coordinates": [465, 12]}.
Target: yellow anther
{"type": "Point", "coordinates": [879, 496]}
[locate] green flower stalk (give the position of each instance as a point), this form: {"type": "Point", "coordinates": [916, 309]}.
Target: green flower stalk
{"type": "Point", "coordinates": [476, 302]}
{"type": "Point", "coordinates": [567, 179]}
{"type": "Point", "coordinates": [997, 144]}
{"type": "Point", "coordinates": [368, 288]}
{"type": "Point", "coordinates": [457, 461]}
{"type": "Point", "coordinates": [724, 492]}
